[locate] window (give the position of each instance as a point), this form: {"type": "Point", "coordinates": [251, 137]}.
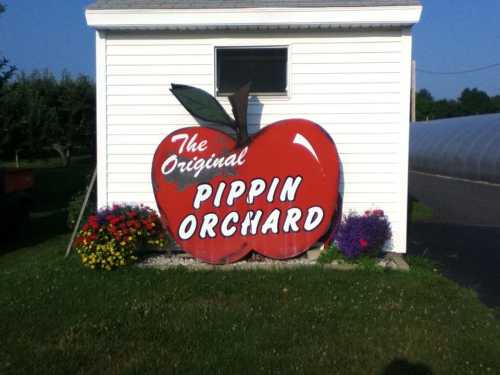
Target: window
{"type": "Point", "coordinates": [266, 68]}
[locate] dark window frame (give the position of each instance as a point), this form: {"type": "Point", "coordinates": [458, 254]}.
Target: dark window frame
{"type": "Point", "coordinates": [284, 93]}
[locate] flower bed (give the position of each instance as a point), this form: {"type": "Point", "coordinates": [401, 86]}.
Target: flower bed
{"type": "Point", "coordinates": [366, 234]}
{"type": "Point", "coordinates": [112, 237]}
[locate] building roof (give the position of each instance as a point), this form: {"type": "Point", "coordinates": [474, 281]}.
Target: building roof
{"type": "Point", "coordinates": [251, 15]}
{"type": "Point", "coordinates": [234, 4]}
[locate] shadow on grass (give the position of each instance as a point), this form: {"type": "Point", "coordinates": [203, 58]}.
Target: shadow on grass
{"type": "Point", "coordinates": [54, 187]}
{"type": "Point", "coordinates": [403, 367]}
{"type": "Point", "coordinates": [468, 255]}
{"type": "Point", "coordinates": [40, 228]}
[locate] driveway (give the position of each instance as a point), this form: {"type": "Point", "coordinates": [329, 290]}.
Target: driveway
{"type": "Point", "coordinates": [468, 255]}
{"type": "Point", "coordinates": [464, 237]}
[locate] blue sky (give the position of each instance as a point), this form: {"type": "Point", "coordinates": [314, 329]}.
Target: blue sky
{"type": "Point", "coordinates": [453, 35]}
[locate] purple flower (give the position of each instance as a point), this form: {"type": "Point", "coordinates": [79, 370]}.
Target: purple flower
{"type": "Point", "coordinates": [360, 235]}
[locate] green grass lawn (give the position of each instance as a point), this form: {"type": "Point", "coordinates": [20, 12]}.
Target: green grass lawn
{"type": "Point", "coordinates": [418, 211]}
{"type": "Point", "coordinates": [57, 317]}
{"type": "Point", "coordinates": [55, 185]}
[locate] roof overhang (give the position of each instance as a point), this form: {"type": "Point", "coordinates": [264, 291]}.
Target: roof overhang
{"type": "Point", "coordinates": [253, 18]}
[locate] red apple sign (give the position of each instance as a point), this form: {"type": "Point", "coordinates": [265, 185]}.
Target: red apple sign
{"type": "Point", "coordinates": [220, 197]}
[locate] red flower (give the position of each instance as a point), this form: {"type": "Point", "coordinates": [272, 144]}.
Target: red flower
{"type": "Point", "coordinates": [93, 222]}
{"type": "Point", "coordinates": [363, 243]}
{"type": "Point", "coordinates": [133, 224]}
{"type": "Point", "coordinates": [114, 219]}
{"type": "Point", "coordinates": [378, 213]}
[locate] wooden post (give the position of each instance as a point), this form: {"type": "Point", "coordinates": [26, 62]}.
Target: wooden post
{"type": "Point", "coordinates": [413, 91]}
{"type": "Point", "coordinates": [82, 211]}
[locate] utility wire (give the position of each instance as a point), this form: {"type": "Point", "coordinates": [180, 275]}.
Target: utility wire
{"type": "Point", "coordinates": [486, 67]}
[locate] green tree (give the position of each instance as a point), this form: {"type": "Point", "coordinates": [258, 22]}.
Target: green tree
{"type": "Point", "coordinates": [445, 109]}
{"type": "Point", "coordinates": [76, 110]}
{"type": "Point", "coordinates": [475, 102]}
{"type": "Point", "coordinates": [495, 100]}
{"type": "Point", "coordinates": [6, 69]}
{"type": "Point", "coordinates": [425, 104]}
{"type": "Point", "coordinates": [40, 115]}
{"type": "Point", "coordinates": [471, 102]}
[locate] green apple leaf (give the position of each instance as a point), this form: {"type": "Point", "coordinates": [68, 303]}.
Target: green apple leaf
{"type": "Point", "coordinates": [201, 105]}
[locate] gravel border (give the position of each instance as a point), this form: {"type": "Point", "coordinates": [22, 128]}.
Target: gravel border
{"type": "Point", "coordinates": [166, 261]}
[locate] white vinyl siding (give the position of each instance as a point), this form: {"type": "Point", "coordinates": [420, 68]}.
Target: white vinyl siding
{"type": "Point", "coordinates": [349, 82]}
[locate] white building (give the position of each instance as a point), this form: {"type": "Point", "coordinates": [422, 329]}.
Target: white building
{"type": "Point", "coordinates": [344, 64]}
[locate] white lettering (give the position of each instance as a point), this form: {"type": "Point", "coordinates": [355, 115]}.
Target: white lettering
{"type": "Point", "coordinates": [290, 189]}
{"type": "Point", "coordinates": [189, 143]}
{"type": "Point", "coordinates": [293, 215]}
{"type": "Point", "coordinates": [197, 165]}
{"type": "Point", "coordinates": [183, 137]}
{"type": "Point", "coordinates": [208, 225]}
{"type": "Point", "coordinates": [257, 187]}
{"type": "Point", "coordinates": [230, 161]}
{"type": "Point", "coordinates": [218, 195]}
{"type": "Point", "coordinates": [187, 227]}
{"type": "Point", "coordinates": [189, 166]}
{"type": "Point", "coordinates": [203, 192]}
{"type": "Point", "coordinates": [241, 156]}
{"type": "Point", "coordinates": [237, 189]}
{"type": "Point", "coordinates": [225, 229]}
{"type": "Point", "coordinates": [169, 165]}
{"type": "Point", "coordinates": [271, 223]}
{"type": "Point", "coordinates": [210, 161]}
{"type": "Point", "coordinates": [182, 166]}
{"type": "Point", "coordinates": [251, 221]}
{"type": "Point", "coordinates": [272, 190]}
{"type": "Point", "coordinates": [313, 219]}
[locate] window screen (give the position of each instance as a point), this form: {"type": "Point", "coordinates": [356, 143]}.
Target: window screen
{"type": "Point", "coordinates": [266, 68]}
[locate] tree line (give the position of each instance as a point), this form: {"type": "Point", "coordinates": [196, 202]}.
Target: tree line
{"type": "Point", "coordinates": [42, 116]}
{"type": "Point", "coordinates": [471, 102]}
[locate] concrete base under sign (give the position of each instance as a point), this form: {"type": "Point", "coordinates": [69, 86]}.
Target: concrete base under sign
{"type": "Point", "coordinates": [390, 261]}
{"type": "Point", "coordinates": [394, 261]}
